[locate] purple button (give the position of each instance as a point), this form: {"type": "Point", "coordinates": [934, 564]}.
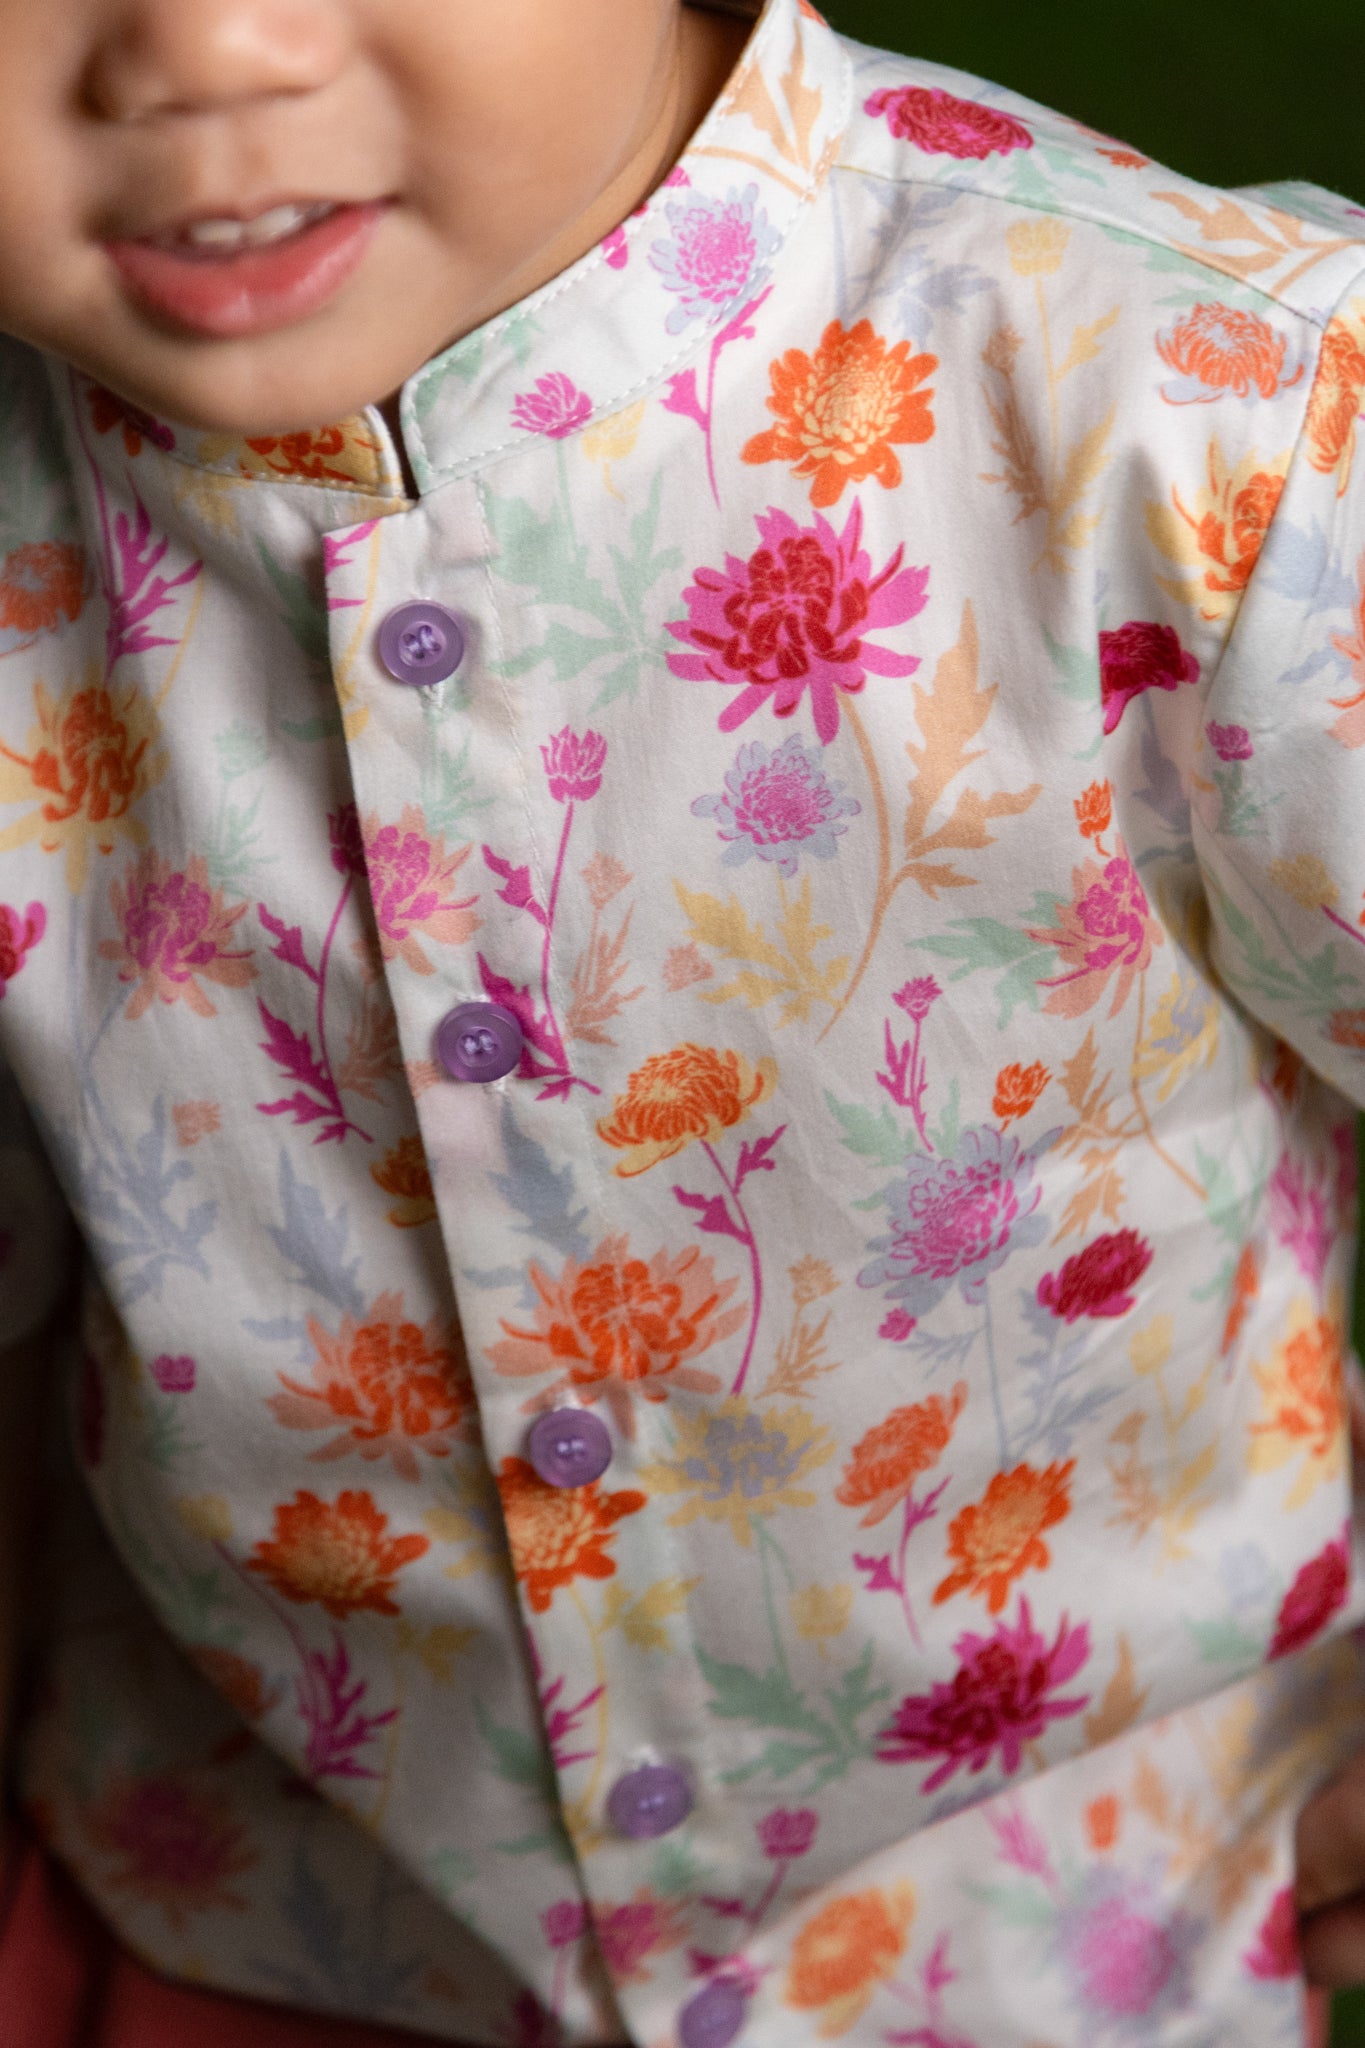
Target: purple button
{"type": "Point", "coordinates": [651, 1801]}
{"type": "Point", "coordinates": [421, 643]}
{"type": "Point", "coordinates": [479, 1042]}
{"type": "Point", "coordinates": [714, 2016]}
{"type": "Point", "coordinates": [569, 1447]}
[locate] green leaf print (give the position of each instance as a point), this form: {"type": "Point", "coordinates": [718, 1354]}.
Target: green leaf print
{"type": "Point", "coordinates": [303, 609]}
{"type": "Point", "coordinates": [871, 1131]}
{"type": "Point", "coordinates": [1315, 985]}
{"type": "Point", "coordinates": [984, 945]}
{"type": "Point", "coordinates": [545, 553]}
{"type": "Point", "coordinates": [827, 1735]}
{"type": "Point", "coordinates": [518, 1758]}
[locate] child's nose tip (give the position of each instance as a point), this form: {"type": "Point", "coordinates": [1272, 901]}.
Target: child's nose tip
{"type": "Point", "coordinates": [166, 57]}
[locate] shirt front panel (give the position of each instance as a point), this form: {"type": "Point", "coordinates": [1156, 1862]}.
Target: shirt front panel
{"type": "Point", "coordinates": [886, 1166]}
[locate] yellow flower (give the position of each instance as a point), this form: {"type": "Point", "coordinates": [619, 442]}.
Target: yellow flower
{"type": "Point", "coordinates": [613, 439]}
{"type": "Point", "coordinates": [1304, 877]}
{"type": "Point", "coordinates": [732, 1463]}
{"type": "Point", "coordinates": [206, 1515]}
{"type": "Point", "coordinates": [1037, 246]}
{"type": "Point", "coordinates": [822, 1611]}
{"type": "Point", "coordinates": [812, 1279]}
{"type": "Point", "coordinates": [1182, 1034]}
{"type": "Point", "coordinates": [693, 1093]}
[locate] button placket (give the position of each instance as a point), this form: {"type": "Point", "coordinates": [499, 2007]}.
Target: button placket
{"type": "Point", "coordinates": [569, 1447]}
{"type": "Point", "coordinates": [479, 1042]}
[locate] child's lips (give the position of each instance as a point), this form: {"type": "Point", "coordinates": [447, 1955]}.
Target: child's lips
{"type": "Point", "coordinates": [252, 290]}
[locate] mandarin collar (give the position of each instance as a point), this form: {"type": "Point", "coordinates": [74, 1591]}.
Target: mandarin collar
{"type": "Point", "coordinates": [604, 333]}
{"type": "Point", "coordinates": [639, 306]}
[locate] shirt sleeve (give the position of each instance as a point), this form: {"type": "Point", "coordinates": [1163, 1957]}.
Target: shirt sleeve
{"type": "Point", "coordinates": [37, 1240]}
{"type": "Point", "coordinates": [1278, 776]}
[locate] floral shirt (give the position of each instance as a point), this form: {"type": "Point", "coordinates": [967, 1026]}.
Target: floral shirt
{"type": "Point", "coordinates": [896, 800]}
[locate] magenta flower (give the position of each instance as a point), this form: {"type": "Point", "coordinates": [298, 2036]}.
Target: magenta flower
{"type": "Point", "coordinates": [1137, 657]}
{"type": "Point", "coordinates": [574, 764]}
{"type": "Point", "coordinates": [1107, 930]}
{"type": "Point", "coordinates": [555, 408]}
{"type": "Point", "coordinates": [564, 1922]}
{"type": "Point", "coordinates": [793, 618]}
{"type": "Point", "coordinates": [897, 1326]}
{"type": "Point", "coordinates": [411, 883]}
{"type": "Point", "coordinates": [1318, 1591]}
{"type": "Point", "coordinates": [778, 804]}
{"type": "Point", "coordinates": [175, 932]}
{"type": "Point", "coordinates": [715, 254]}
{"type": "Point", "coordinates": [1229, 742]}
{"type": "Point", "coordinates": [784, 1834]}
{"type": "Point", "coordinates": [941, 124]}
{"type": "Point", "coordinates": [918, 997]}
{"type": "Point", "coordinates": [173, 1375]}
{"type": "Point", "coordinates": [1097, 1280]}
{"type": "Point", "coordinates": [954, 1220]}
{"type": "Point", "coordinates": [1124, 1962]}
{"type": "Point", "coordinates": [1277, 1952]}
{"type": "Point", "coordinates": [348, 841]}
{"type": "Point", "coordinates": [998, 1700]}
{"type": "Point", "coordinates": [1301, 1218]}
{"type": "Point", "coordinates": [20, 931]}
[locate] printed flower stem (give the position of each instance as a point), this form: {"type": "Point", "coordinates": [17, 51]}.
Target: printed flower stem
{"type": "Point", "coordinates": [910, 1523]}
{"type": "Point", "coordinates": [765, 1541]}
{"type": "Point", "coordinates": [550, 908]}
{"type": "Point", "coordinates": [747, 1238]}
{"type": "Point", "coordinates": [578, 1816]}
{"type": "Point", "coordinates": [1350, 930]}
{"type": "Point", "coordinates": [1145, 1119]}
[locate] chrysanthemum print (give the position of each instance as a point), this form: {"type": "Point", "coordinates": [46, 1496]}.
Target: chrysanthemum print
{"type": "Point", "coordinates": [896, 821]}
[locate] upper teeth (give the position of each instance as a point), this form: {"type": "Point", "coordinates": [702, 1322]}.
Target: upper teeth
{"type": "Point", "coordinates": [271, 226]}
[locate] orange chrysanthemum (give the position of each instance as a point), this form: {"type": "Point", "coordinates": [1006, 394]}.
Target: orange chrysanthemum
{"type": "Point", "coordinates": [998, 1538]}
{"type": "Point", "coordinates": [404, 1172]}
{"type": "Point", "coordinates": [339, 454]}
{"type": "Point", "coordinates": [558, 1534]}
{"type": "Point", "coordinates": [677, 1098]}
{"type": "Point", "coordinates": [1231, 535]}
{"type": "Point", "coordinates": [887, 1461]}
{"type": "Point", "coordinates": [619, 1325]}
{"type": "Point", "coordinates": [1303, 1403]}
{"type": "Point", "coordinates": [839, 1957]}
{"type": "Point", "coordinates": [1017, 1088]}
{"type": "Point", "coordinates": [1227, 350]}
{"type": "Point", "coordinates": [41, 583]}
{"type": "Point", "coordinates": [1335, 403]}
{"type": "Point", "coordinates": [841, 412]}
{"type": "Point", "coordinates": [1094, 809]}
{"type": "Point", "coordinates": [339, 1554]}
{"type": "Point", "coordinates": [394, 1386]}
{"type": "Point", "coordinates": [93, 754]}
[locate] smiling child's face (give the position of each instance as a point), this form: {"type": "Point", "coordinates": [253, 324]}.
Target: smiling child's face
{"type": "Point", "coordinates": [254, 215]}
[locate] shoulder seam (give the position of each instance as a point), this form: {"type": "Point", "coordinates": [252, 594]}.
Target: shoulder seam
{"type": "Point", "coordinates": [1094, 218]}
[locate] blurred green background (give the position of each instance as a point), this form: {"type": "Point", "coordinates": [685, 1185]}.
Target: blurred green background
{"type": "Point", "coordinates": [1233, 95]}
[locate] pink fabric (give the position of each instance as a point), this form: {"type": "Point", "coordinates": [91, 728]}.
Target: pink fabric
{"type": "Point", "coordinates": [66, 1983]}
